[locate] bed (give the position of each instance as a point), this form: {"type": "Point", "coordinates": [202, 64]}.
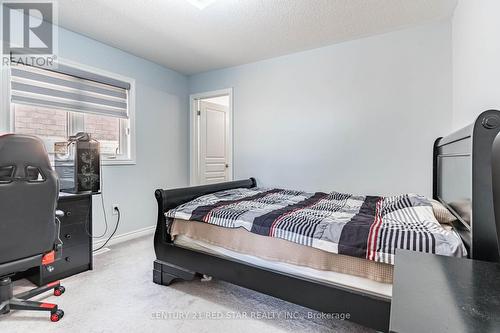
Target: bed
{"type": "Point", "coordinates": [327, 273]}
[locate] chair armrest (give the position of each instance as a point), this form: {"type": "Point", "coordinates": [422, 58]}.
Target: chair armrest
{"type": "Point", "coordinates": [56, 253]}
{"type": "Point", "coordinates": [58, 243]}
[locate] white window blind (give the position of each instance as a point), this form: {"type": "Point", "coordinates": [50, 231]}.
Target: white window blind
{"type": "Point", "coordinates": [69, 89]}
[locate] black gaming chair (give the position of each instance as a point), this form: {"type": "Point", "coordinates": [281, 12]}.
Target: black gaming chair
{"type": "Point", "coordinates": [29, 229]}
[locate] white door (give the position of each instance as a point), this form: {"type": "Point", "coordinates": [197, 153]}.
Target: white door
{"type": "Point", "coordinates": [214, 145]}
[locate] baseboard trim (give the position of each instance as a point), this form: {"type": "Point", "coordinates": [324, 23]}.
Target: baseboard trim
{"type": "Point", "coordinates": [126, 236]}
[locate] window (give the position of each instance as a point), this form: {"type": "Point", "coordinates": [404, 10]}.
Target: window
{"type": "Point", "coordinates": [49, 124]}
{"type": "Point", "coordinates": [55, 105]}
{"type": "Point", "coordinates": [106, 130]}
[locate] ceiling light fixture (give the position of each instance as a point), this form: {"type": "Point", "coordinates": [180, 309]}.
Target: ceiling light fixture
{"type": "Point", "coordinates": [201, 4]}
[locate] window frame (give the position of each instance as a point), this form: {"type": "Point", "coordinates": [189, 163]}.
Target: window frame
{"type": "Point", "coordinates": [127, 133]}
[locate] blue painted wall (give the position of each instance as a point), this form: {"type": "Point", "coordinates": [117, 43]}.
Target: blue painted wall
{"type": "Point", "coordinates": [161, 132]}
{"type": "Point", "coordinates": [359, 116]}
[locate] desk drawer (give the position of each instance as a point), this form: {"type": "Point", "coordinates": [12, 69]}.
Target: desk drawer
{"type": "Point", "coordinates": [76, 251]}
{"type": "Point", "coordinates": [72, 260]}
{"type": "Point", "coordinates": [75, 211]}
{"type": "Point", "coordinates": [74, 234]}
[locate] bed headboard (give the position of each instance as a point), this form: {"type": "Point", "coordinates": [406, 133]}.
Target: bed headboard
{"type": "Point", "coordinates": [467, 181]}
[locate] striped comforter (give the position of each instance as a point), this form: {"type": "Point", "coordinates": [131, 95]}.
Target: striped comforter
{"type": "Point", "coordinates": [368, 227]}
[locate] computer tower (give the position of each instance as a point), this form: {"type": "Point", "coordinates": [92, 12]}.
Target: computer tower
{"type": "Point", "coordinates": [77, 162]}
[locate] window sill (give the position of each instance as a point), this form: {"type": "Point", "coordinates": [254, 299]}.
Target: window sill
{"type": "Point", "coordinates": [117, 162]}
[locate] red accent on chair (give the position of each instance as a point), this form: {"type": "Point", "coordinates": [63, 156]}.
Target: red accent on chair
{"type": "Point", "coordinates": [49, 258]}
{"type": "Point", "coordinates": [52, 284]}
{"type": "Point", "coordinates": [47, 305]}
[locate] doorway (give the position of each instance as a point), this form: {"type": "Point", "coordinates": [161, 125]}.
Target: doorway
{"type": "Point", "coordinates": [211, 142]}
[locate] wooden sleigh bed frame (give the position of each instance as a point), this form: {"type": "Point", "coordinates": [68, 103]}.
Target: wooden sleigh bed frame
{"type": "Point", "coordinates": [475, 147]}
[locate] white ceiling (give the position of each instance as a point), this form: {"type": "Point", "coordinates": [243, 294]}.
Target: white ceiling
{"type": "Point", "coordinates": [180, 36]}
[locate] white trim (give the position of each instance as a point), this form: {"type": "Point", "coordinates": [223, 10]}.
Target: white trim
{"type": "Point", "coordinates": [125, 237]}
{"type": "Point", "coordinates": [193, 137]}
{"type": "Point", "coordinates": [6, 123]}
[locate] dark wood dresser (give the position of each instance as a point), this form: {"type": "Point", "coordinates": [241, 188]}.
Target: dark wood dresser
{"type": "Point", "coordinates": [434, 293]}
{"type": "Point", "coordinates": [76, 231]}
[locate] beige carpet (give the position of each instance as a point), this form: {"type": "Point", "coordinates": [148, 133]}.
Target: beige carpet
{"type": "Point", "coordinates": [119, 296]}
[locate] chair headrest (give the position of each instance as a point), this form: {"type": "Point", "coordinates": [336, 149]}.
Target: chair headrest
{"type": "Point", "coordinates": [23, 151]}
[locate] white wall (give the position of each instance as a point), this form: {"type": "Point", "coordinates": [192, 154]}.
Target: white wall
{"type": "Point", "coordinates": [476, 59]}
{"type": "Point", "coordinates": [161, 133]}
{"type": "Point", "coordinates": [360, 116]}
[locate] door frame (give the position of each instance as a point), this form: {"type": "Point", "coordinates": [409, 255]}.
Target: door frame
{"type": "Point", "coordinates": [194, 144]}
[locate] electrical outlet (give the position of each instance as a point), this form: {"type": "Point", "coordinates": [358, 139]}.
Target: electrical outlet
{"type": "Point", "coordinates": [115, 209]}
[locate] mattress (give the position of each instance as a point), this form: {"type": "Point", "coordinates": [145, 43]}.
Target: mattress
{"type": "Point", "coordinates": [351, 282]}
{"type": "Point", "coordinates": [278, 250]}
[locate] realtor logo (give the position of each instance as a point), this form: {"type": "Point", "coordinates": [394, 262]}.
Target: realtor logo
{"type": "Point", "coordinates": [28, 28]}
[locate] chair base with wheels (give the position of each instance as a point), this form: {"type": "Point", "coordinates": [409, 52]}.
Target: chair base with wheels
{"type": "Point", "coordinates": [9, 302]}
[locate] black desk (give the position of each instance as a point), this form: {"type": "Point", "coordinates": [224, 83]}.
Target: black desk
{"type": "Point", "coordinates": [75, 233]}
{"type": "Point", "coordinates": [441, 294]}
